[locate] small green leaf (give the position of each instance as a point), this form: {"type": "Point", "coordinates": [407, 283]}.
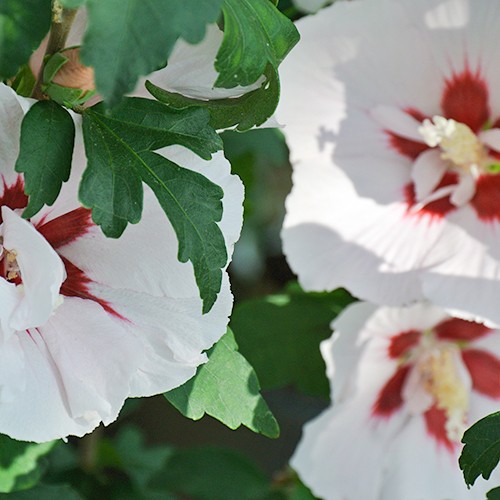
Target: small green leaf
{"type": "Point", "coordinates": [126, 39]}
{"type": "Point", "coordinates": [226, 388]}
{"type": "Point", "coordinates": [481, 452]}
{"type": "Point", "coordinates": [23, 24]}
{"type": "Point", "coordinates": [47, 138]}
{"type": "Point", "coordinates": [212, 473]}
{"type": "Point", "coordinates": [244, 112]}
{"type": "Point", "coordinates": [46, 492]}
{"type": "Point", "coordinates": [53, 65]}
{"type": "Point", "coordinates": [24, 81]}
{"type": "Point", "coordinates": [19, 463]}
{"type": "Point", "coordinates": [493, 494]}
{"type": "Point", "coordinates": [255, 34]}
{"type": "Point", "coordinates": [280, 336]}
{"type": "Point", "coordinates": [193, 205]}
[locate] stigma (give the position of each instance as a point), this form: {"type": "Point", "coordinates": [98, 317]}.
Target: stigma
{"type": "Point", "coordinates": [458, 143]}
{"type": "Point", "coordinates": [443, 380]}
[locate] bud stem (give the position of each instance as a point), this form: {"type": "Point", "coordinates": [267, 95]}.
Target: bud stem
{"type": "Point", "coordinates": [62, 19]}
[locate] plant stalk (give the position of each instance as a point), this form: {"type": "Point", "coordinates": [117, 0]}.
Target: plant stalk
{"type": "Point", "coordinates": [62, 20]}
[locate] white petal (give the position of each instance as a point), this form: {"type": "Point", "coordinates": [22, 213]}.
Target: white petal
{"type": "Point", "coordinates": [10, 296]}
{"type": "Point", "coordinates": [427, 172]}
{"type": "Point", "coordinates": [173, 333]}
{"type": "Point", "coordinates": [397, 121]}
{"type": "Point", "coordinates": [67, 377]}
{"type": "Point", "coordinates": [10, 132]}
{"type": "Point", "coordinates": [467, 281]}
{"type": "Point", "coordinates": [342, 350]}
{"type": "Point", "coordinates": [332, 237]}
{"type": "Point", "coordinates": [341, 446]}
{"type": "Point", "coordinates": [95, 357]}
{"type": "Point", "coordinates": [491, 138]}
{"type": "Point", "coordinates": [41, 268]}
{"type": "Point", "coordinates": [309, 6]}
{"type": "Point", "coordinates": [416, 467]}
{"type": "Point", "coordinates": [190, 70]}
{"type": "Point", "coordinates": [465, 190]}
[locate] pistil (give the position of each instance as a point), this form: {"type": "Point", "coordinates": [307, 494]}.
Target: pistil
{"type": "Point", "coordinates": [442, 380]}
{"type": "Point", "coordinates": [458, 143]}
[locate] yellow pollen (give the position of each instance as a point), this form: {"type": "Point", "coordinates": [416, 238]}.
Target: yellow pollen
{"type": "Point", "coordinates": [443, 382]}
{"type": "Point", "coordinates": [12, 268]}
{"type": "Point", "coordinates": [459, 144]}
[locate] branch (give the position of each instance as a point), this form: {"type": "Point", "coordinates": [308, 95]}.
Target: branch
{"type": "Point", "coordinates": [62, 20]}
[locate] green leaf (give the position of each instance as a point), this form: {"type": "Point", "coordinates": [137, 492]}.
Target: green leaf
{"type": "Point", "coordinates": [72, 4]}
{"type": "Point", "coordinates": [244, 112]}
{"type": "Point", "coordinates": [255, 34]}
{"type": "Point", "coordinates": [481, 452]}
{"type": "Point", "coordinates": [117, 147]}
{"type": "Point", "coordinates": [280, 336]}
{"type": "Point", "coordinates": [47, 138]}
{"type": "Point", "coordinates": [193, 205]}
{"type": "Point", "coordinates": [19, 463]}
{"type": "Point", "coordinates": [129, 453]}
{"type": "Point", "coordinates": [23, 24]}
{"type": "Point", "coordinates": [46, 492]}
{"type": "Point", "coordinates": [111, 184]}
{"type": "Point", "coordinates": [227, 388]}
{"type": "Point", "coordinates": [24, 82]}
{"type": "Point", "coordinates": [126, 39]}
{"type": "Point", "coordinates": [212, 473]}
{"type": "Point", "coordinates": [493, 494]}
{"type": "Point", "coordinates": [147, 125]}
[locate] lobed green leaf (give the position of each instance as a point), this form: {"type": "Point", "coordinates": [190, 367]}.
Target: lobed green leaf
{"type": "Point", "coordinates": [255, 34]}
{"type": "Point", "coordinates": [193, 205]}
{"type": "Point", "coordinates": [118, 147]}
{"type": "Point", "coordinates": [126, 39]}
{"type": "Point", "coordinates": [481, 452]}
{"type": "Point", "coordinates": [244, 112]}
{"type": "Point", "coordinates": [234, 400]}
{"type": "Point", "coordinates": [46, 149]}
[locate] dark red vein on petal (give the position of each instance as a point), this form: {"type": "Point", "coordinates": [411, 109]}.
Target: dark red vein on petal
{"type": "Point", "coordinates": [401, 343]}
{"type": "Point", "coordinates": [435, 422]}
{"type": "Point", "coordinates": [77, 285]}
{"type": "Point", "coordinates": [484, 369]}
{"type": "Point", "coordinates": [390, 398]}
{"type": "Point", "coordinates": [66, 228]}
{"type": "Point", "coordinates": [465, 99]}
{"type": "Point", "coordinates": [460, 330]}
{"type": "Point", "coordinates": [13, 195]}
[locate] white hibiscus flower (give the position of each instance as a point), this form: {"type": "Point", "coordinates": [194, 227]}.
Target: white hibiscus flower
{"type": "Point", "coordinates": [406, 383]}
{"type": "Point", "coordinates": [392, 114]}
{"type": "Point", "coordinates": [86, 321]}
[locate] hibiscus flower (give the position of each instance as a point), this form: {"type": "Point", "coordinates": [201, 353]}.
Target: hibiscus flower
{"type": "Point", "coordinates": [392, 114]}
{"type": "Point", "coordinates": [406, 383]}
{"type": "Point", "coordinates": [86, 321]}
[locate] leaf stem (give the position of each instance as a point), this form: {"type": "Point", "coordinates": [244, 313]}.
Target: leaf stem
{"type": "Point", "coordinates": [62, 20]}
